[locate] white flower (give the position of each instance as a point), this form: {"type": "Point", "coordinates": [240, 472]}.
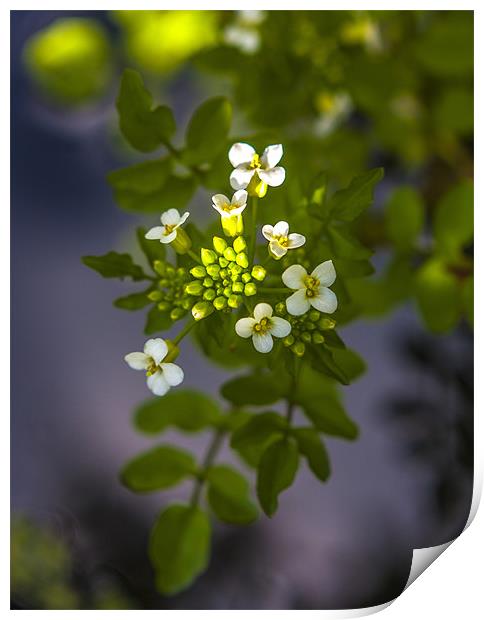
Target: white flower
{"type": "Point", "coordinates": [171, 220]}
{"type": "Point", "coordinates": [262, 327]}
{"type": "Point", "coordinates": [160, 376]}
{"type": "Point", "coordinates": [311, 290]}
{"type": "Point", "coordinates": [280, 241]}
{"type": "Point", "coordinates": [227, 207]}
{"type": "Point", "coordinates": [247, 163]}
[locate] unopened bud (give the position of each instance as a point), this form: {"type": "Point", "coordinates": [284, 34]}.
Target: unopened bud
{"type": "Point", "coordinates": [235, 301]}
{"type": "Point", "coordinates": [176, 314]}
{"type": "Point", "coordinates": [250, 289]}
{"type": "Point", "coordinates": [258, 272]}
{"type": "Point", "coordinates": [238, 287]}
{"type": "Point", "coordinates": [298, 348]}
{"type": "Point", "coordinates": [208, 256]}
{"type": "Point", "coordinates": [239, 244]}
{"type": "Point", "coordinates": [194, 288]}
{"type": "Point", "coordinates": [229, 254]}
{"type": "Point", "coordinates": [242, 260]}
{"type": "Point", "coordinates": [154, 295]}
{"type": "Point", "coordinates": [246, 277]}
{"type": "Point", "coordinates": [160, 267]}
{"type": "Point", "coordinates": [213, 270]}
{"type": "Point", "coordinates": [201, 310]}
{"type": "Point", "coordinates": [182, 242]}
{"type": "Point", "coordinates": [198, 272]}
{"type": "Point", "coordinates": [327, 323]}
{"type": "Point", "coordinates": [219, 244]}
{"type": "Point", "coordinates": [220, 303]}
{"type": "Point", "coordinates": [209, 294]}
{"type": "Point", "coordinates": [318, 338]}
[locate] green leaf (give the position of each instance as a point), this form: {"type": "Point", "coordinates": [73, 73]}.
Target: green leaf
{"type": "Point", "coordinates": [311, 446]}
{"type": "Point", "coordinates": [260, 389]}
{"type": "Point", "coordinates": [160, 468]}
{"type": "Point", "coordinates": [251, 439]}
{"type": "Point", "coordinates": [345, 245]}
{"type": "Point", "coordinates": [404, 217]}
{"type": "Point", "coordinates": [135, 301]}
{"type": "Point", "coordinates": [179, 547]}
{"type": "Point", "coordinates": [228, 496]}
{"type": "Point", "coordinates": [208, 130]}
{"type": "Point", "coordinates": [321, 403]}
{"type": "Point", "coordinates": [115, 265]}
{"type": "Point", "coordinates": [352, 364]}
{"type": "Point", "coordinates": [468, 299]}
{"type": "Point", "coordinates": [350, 269]}
{"type": "Point", "coordinates": [143, 126]}
{"type": "Point", "coordinates": [437, 293]}
{"type": "Point", "coordinates": [152, 248]}
{"type": "Point", "coordinates": [187, 410]}
{"type": "Point", "coordinates": [157, 321]}
{"type": "Point", "coordinates": [454, 220]}
{"type": "Point", "coordinates": [348, 203]}
{"type": "Point", "coordinates": [454, 111]}
{"type": "Point", "coordinates": [322, 359]}
{"type": "Point", "coordinates": [276, 472]}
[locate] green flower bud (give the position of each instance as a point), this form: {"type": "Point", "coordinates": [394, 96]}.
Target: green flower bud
{"type": "Point", "coordinates": [223, 262]}
{"type": "Point", "coordinates": [201, 310]}
{"type": "Point", "coordinates": [170, 270]}
{"type": "Point", "coordinates": [235, 301]}
{"type": "Point", "coordinates": [223, 273]}
{"type": "Point", "coordinates": [318, 338]}
{"type": "Point", "coordinates": [182, 242]}
{"type": "Point", "coordinates": [164, 282]}
{"type": "Point", "coordinates": [281, 308]}
{"type": "Point", "coordinates": [176, 314]}
{"type": "Point", "coordinates": [228, 291]}
{"type": "Point", "coordinates": [194, 288]}
{"type": "Point", "coordinates": [306, 336]}
{"type": "Point", "coordinates": [164, 306]}
{"type": "Point", "coordinates": [298, 348]}
{"type": "Point", "coordinates": [239, 244]}
{"type": "Point", "coordinates": [309, 325]}
{"type": "Point", "coordinates": [186, 304]}
{"type": "Point", "coordinates": [160, 267]}
{"type": "Point", "coordinates": [250, 289]}
{"type": "Point", "coordinates": [238, 287]}
{"type": "Point", "coordinates": [154, 295]}
{"type": "Point", "coordinates": [220, 303]}
{"type": "Point", "coordinates": [246, 277]}
{"type": "Point", "coordinates": [208, 256]}
{"type": "Point", "coordinates": [213, 270]}
{"type": "Point", "coordinates": [236, 269]}
{"type": "Point", "coordinates": [258, 272]}
{"type": "Point", "coordinates": [230, 254]}
{"type": "Point", "coordinates": [198, 271]}
{"type": "Point", "coordinates": [219, 244]}
{"type": "Point", "coordinates": [288, 340]}
{"type": "Point", "coordinates": [327, 323]}
{"type": "Point", "coordinates": [314, 316]}
{"type": "Point", "coordinates": [209, 294]}
{"type": "Point", "coordinates": [226, 281]}
{"type": "Point", "coordinates": [207, 282]}
{"type": "Point", "coordinates": [242, 260]}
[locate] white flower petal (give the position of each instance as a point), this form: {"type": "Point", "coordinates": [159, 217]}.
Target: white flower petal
{"type": "Point", "coordinates": [281, 229]}
{"type": "Point", "coordinates": [173, 374]}
{"type": "Point", "coordinates": [155, 233]}
{"type": "Point", "coordinates": [169, 237]}
{"type": "Point", "coordinates": [220, 210]}
{"type": "Point", "coordinates": [235, 211]}
{"type": "Point", "coordinates": [183, 218]}
{"type": "Point", "coordinates": [273, 177]}
{"type": "Point", "coordinates": [326, 301]}
{"type": "Point", "coordinates": [220, 201]}
{"type": "Point", "coordinates": [298, 303]}
{"type": "Point", "coordinates": [296, 240]}
{"type": "Point", "coordinates": [170, 217]}
{"type": "Point", "coordinates": [137, 360]}
{"type": "Point", "coordinates": [241, 153]}
{"type": "Point", "coordinates": [262, 311]}
{"type": "Point", "coordinates": [277, 249]}
{"type": "Point", "coordinates": [271, 156]}
{"type": "Point", "coordinates": [241, 176]}
{"type": "Point", "coordinates": [262, 342]}
{"type": "Point", "coordinates": [244, 327]}
{"type": "Point", "coordinates": [268, 231]}
{"type": "Point", "coordinates": [294, 276]}
{"type": "Point", "coordinates": [325, 273]}
{"type": "Point", "coordinates": [280, 327]}
{"type": "Point", "coordinates": [158, 384]}
{"type": "Point", "coordinates": [239, 199]}
{"type": "Point", "coordinates": [156, 348]}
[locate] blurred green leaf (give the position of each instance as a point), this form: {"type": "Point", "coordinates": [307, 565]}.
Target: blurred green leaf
{"type": "Point", "coordinates": [348, 203]}
{"type": "Point", "coordinates": [257, 389]}
{"type": "Point", "coordinates": [404, 217]}
{"type": "Point", "coordinates": [345, 245]}
{"type": "Point", "coordinates": [179, 547]}
{"type": "Point", "coordinates": [437, 293]}
{"type": "Point", "coordinates": [140, 187]}
{"type": "Point", "coordinates": [152, 249]}
{"type": "Point", "coordinates": [276, 472]}
{"type": "Point", "coordinates": [311, 447]}
{"type": "Point", "coordinates": [252, 438]}
{"type": "Point", "coordinates": [454, 111]}
{"type": "Point", "coordinates": [208, 130]}
{"type": "Point", "coordinates": [468, 299]}
{"type": "Point", "coordinates": [159, 468]}
{"type": "Point", "coordinates": [188, 410]}
{"type": "Point", "coordinates": [115, 265]}
{"type": "Point", "coordinates": [135, 301]}
{"type": "Point", "coordinates": [143, 126]}
{"type": "Point", "coordinates": [322, 359]}
{"type": "Point", "coordinates": [228, 496]}
{"type": "Point", "coordinates": [454, 220]}
{"type": "Point", "coordinates": [157, 321]}
{"type": "Point", "coordinates": [352, 364]}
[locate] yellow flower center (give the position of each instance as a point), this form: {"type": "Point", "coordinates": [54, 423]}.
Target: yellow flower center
{"type": "Point", "coordinates": [312, 286]}
{"type": "Point", "coordinates": [152, 368]}
{"type": "Point", "coordinates": [255, 163]}
{"type": "Point", "coordinates": [227, 207]}
{"type": "Point", "coordinates": [169, 228]}
{"type": "Point", "coordinates": [263, 326]}
{"type": "Point", "coordinates": [281, 240]}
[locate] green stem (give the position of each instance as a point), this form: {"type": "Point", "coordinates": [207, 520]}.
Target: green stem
{"type": "Point", "coordinates": [212, 451]}
{"type": "Point", "coordinates": [290, 400]}
{"type": "Point", "coordinates": [274, 291]}
{"type": "Point", "coordinates": [196, 258]}
{"type": "Point", "coordinates": [253, 232]}
{"type": "Point", "coordinates": [188, 326]}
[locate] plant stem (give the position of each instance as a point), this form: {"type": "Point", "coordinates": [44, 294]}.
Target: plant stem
{"type": "Point", "coordinates": [253, 233]}
{"type": "Point", "coordinates": [196, 258]}
{"type": "Point", "coordinates": [212, 451]}
{"type": "Point", "coordinates": [188, 326]}
{"type": "Point", "coordinates": [290, 399]}
{"type": "Point", "coordinates": [273, 291]}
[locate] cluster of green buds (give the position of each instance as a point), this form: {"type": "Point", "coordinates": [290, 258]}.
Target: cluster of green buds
{"type": "Point", "coordinates": [170, 295]}
{"type": "Point", "coordinates": [305, 330]}
{"type": "Point", "coordinates": [223, 278]}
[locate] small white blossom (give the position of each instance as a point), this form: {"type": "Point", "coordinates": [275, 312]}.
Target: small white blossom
{"type": "Point", "coordinates": [311, 290]}
{"type": "Point", "coordinates": [280, 240]}
{"type": "Point", "coordinates": [247, 163]}
{"type": "Point", "coordinates": [227, 207]}
{"type": "Point", "coordinates": [160, 376]}
{"type": "Point", "coordinates": [171, 221]}
{"type": "Point", "coordinates": [262, 327]}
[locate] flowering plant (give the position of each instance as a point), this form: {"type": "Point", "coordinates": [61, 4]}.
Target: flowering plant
{"type": "Point", "coordinates": [252, 296]}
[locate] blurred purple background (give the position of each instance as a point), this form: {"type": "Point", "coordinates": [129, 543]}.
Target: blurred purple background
{"type": "Point", "coordinates": [347, 543]}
